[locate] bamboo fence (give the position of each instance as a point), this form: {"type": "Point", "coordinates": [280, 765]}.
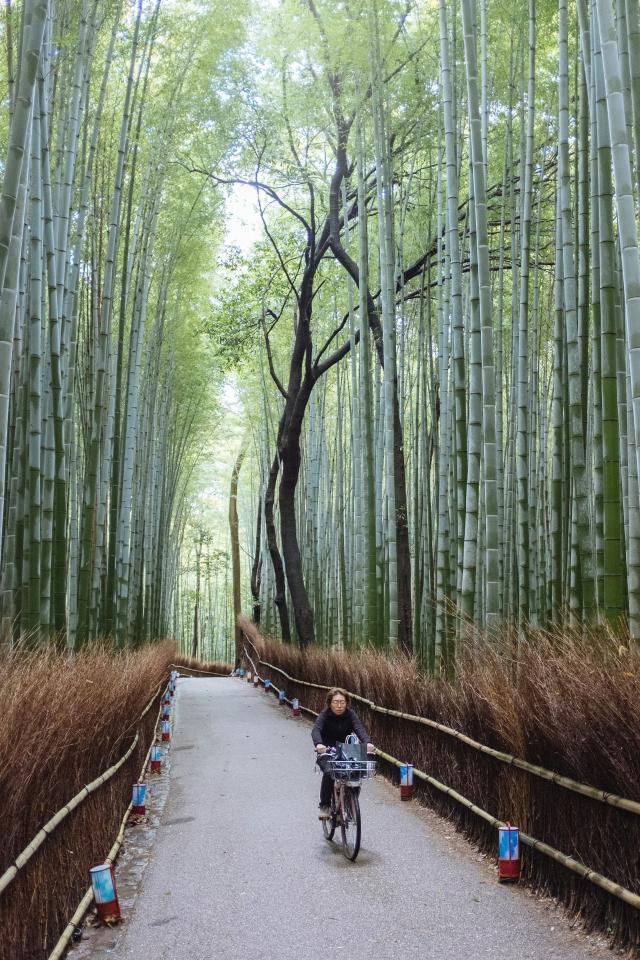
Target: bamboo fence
{"type": "Point", "coordinates": [23, 858]}
{"type": "Point", "coordinates": [615, 889]}
{"type": "Point", "coordinates": [85, 903]}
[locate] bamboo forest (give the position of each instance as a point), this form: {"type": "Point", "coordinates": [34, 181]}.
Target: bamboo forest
{"type": "Point", "coordinates": [326, 312]}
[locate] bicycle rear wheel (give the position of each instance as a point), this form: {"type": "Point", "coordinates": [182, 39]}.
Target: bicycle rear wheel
{"type": "Point", "coordinates": [351, 825]}
{"type": "Point", "coordinates": [329, 826]}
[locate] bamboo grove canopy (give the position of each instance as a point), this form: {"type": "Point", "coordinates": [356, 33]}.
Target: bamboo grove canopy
{"type": "Point", "coordinates": [105, 372]}
{"type": "Point", "coordinates": [434, 334]}
{"type": "Point", "coordinates": [444, 420]}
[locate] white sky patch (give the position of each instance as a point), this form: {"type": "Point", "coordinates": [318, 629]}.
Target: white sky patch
{"type": "Point", "coordinates": [242, 218]}
{"type": "Point", "coordinates": [230, 396]}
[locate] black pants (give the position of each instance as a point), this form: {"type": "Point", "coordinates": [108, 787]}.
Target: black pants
{"type": "Point", "coordinates": [326, 787]}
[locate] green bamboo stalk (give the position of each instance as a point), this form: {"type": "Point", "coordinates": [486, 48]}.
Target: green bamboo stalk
{"type": "Point", "coordinates": [453, 248]}
{"type": "Point", "coordinates": [522, 435]}
{"type": "Point", "coordinates": [486, 325]}
{"type": "Point", "coordinates": [34, 13]}
{"type": "Point", "coordinates": [628, 239]}
{"type": "Point", "coordinates": [386, 243]}
{"type": "Point", "coordinates": [98, 406]}
{"type": "Point", "coordinates": [371, 624]}
{"type": "Point", "coordinates": [611, 516]}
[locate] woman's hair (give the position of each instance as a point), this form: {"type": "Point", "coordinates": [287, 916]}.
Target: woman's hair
{"type": "Point", "coordinates": [334, 692]}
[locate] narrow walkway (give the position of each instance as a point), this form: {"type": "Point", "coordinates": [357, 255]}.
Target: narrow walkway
{"type": "Point", "coordinates": [240, 868]}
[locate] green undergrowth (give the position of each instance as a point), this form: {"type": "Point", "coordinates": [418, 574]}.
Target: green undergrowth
{"type": "Point", "coordinates": [65, 721]}
{"type": "Point", "coordinates": [568, 702]}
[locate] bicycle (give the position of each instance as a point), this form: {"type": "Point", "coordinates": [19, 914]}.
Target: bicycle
{"type": "Point", "coordinates": [347, 773]}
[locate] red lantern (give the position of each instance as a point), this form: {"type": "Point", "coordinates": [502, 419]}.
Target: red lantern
{"type": "Point", "coordinates": [406, 781]}
{"type": "Point", "coordinates": [138, 798]}
{"type": "Point", "coordinates": [103, 882]}
{"type": "Point", "coordinates": [508, 853]}
{"type": "Point", "coordinates": [156, 759]}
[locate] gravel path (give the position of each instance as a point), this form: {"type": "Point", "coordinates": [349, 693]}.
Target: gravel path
{"type": "Point", "coordinates": [240, 868]}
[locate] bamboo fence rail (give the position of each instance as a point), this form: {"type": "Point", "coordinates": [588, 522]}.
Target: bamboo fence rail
{"type": "Point", "coordinates": [23, 858]}
{"type": "Point", "coordinates": [615, 889]}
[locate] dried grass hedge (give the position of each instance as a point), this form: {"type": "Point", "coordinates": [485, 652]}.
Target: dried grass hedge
{"type": "Point", "coordinates": [64, 722]}
{"type": "Point", "coordinates": [202, 667]}
{"type": "Point", "coordinates": [569, 702]}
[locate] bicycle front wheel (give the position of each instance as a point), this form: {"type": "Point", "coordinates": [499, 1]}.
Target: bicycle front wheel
{"type": "Point", "coordinates": [351, 826]}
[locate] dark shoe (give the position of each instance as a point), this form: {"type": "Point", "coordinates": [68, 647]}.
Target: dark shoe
{"type": "Point", "coordinates": [324, 813]}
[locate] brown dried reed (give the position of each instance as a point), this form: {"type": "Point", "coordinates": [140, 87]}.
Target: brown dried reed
{"type": "Point", "coordinates": [65, 721]}
{"type": "Point", "coordinates": [200, 667]}
{"type": "Point", "coordinates": [566, 701]}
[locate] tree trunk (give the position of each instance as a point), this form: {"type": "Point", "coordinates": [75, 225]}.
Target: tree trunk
{"type": "Point", "coordinates": [256, 570]}
{"type": "Point", "coordinates": [289, 448]}
{"type": "Point", "coordinates": [274, 552]}
{"type": "Point", "coordinates": [235, 554]}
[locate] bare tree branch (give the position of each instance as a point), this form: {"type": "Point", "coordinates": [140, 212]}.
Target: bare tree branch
{"type": "Point", "coordinates": [335, 333]}
{"type": "Point", "coordinates": [272, 371]}
{"type": "Point", "coordinates": [256, 184]}
{"type": "Point", "coordinates": [320, 369]}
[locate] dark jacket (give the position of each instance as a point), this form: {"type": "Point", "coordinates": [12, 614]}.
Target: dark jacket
{"type": "Point", "coordinates": [330, 728]}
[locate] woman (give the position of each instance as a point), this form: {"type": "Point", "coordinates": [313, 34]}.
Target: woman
{"type": "Point", "coordinates": [333, 726]}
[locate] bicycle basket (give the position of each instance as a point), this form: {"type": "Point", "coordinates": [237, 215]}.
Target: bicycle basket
{"type": "Point", "coordinates": [351, 770]}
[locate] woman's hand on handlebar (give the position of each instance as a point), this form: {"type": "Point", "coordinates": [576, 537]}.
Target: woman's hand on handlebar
{"type": "Point", "coordinates": [320, 748]}
{"type": "Point", "coordinates": [371, 748]}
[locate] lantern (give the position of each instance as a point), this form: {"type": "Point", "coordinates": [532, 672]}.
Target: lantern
{"type": "Point", "coordinates": [508, 853]}
{"type": "Point", "coordinates": [103, 882]}
{"type": "Point", "coordinates": [156, 759]}
{"type": "Point", "coordinates": [138, 798]}
{"type": "Point", "coordinates": [406, 781]}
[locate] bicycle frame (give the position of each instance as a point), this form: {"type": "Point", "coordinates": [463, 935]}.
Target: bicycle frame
{"type": "Point", "coordinates": [338, 796]}
{"type": "Point", "coordinates": [348, 775]}
{"type": "Point", "coordinates": [345, 813]}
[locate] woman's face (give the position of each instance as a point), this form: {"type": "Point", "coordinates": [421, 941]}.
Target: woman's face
{"type": "Point", "coordinates": [338, 704]}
